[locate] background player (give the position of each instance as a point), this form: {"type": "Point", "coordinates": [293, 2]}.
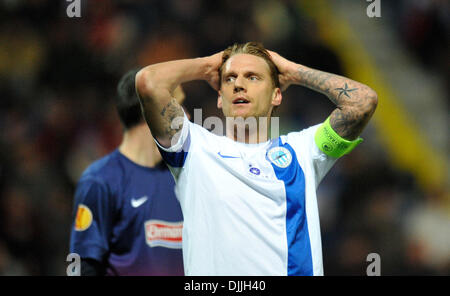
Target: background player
{"type": "Point", "coordinates": [128, 221]}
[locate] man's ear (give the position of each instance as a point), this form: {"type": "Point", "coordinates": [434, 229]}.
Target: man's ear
{"type": "Point", "coordinates": [219, 100]}
{"type": "Point", "coordinates": [276, 97]}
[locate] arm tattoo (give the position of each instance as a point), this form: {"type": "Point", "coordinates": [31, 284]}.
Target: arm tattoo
{"type": "Point", "coordinates": [345, 90]}
{"type": "Point", "coordinates": [167, 127]}
{"type": "Point", "coordinates": [169, 113]}
{"type": "Point", "coordinates": [355, 102]}
{"type": "Point", "coordinates": [163, 112]}
{"type": "Point", "coordinates": [349, 122]}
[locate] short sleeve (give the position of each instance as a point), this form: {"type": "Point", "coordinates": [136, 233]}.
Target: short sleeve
{"type": "Point", "coordinates": [175, 155]}
{"type": "Point", "coordinates": [92, 219]}
{"type": "Point", "coordinates": [309, 154]}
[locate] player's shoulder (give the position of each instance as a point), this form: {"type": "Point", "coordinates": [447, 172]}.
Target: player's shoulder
{"type": "Point", "coordinates": [303, 142]}
{"type": "Point", "coordinates": [199, 130]}
{"type": "Point", "coordinates": [302, 135]}
{"type": "Point", "coordinates": [103, 170]}
{"type": "Point", "coordinates": [203, 137]}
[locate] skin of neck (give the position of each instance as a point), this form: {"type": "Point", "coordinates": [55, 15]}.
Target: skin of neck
{"type": "Point", "coordinates": [138, 146]}
{"type": "Point", "coordinates": [248, 133]}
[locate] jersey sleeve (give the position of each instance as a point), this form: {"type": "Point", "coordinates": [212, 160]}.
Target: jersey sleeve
{"type": "Point", "coordinates": [175, 156]}
{"type": "Point", "coordinates": [309, 154]}
{"type": "Point", "coordinates": [92, 220]}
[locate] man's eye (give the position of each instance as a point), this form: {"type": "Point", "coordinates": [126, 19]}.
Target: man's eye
{"type": "Point", "coordinates": [253, 78]}
{"type": "Point", "coordinates": [229, 79]}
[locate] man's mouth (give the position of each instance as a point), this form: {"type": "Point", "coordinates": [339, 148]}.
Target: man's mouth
{"type": "Point", "coordinates": [240, 101]}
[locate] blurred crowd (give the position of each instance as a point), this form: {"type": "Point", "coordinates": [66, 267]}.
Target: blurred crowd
{"type": "Point", "coordinates": [58, 77]}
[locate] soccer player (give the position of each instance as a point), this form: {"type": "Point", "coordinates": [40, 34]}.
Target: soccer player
{"type": "Point", "coordinates": [127, 218]}
{"type": "Point", "coordinates": [249, 204]}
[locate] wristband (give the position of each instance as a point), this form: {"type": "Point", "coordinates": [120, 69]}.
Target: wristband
{"type": "Point", "coordinates": [330, 143]}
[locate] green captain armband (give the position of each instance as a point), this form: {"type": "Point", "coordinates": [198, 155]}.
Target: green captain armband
{"type": "Point", "coordinates": [330, 143]}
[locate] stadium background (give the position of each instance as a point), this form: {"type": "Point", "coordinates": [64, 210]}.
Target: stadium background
{"type": "Point", "coordinates": [58, 77]}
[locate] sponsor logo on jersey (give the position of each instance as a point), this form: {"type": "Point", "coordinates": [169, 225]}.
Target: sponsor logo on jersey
{"type": "Point", "coordinates": [135, 203]}
{"type": "Point", "coordinates": [280, 156]}
{"type": "Point", "coordinates": [165, 234]}
{"type": "Point", "coordinates": [227, 156]}
{"type": "Point", "coordinates": [83, 219]}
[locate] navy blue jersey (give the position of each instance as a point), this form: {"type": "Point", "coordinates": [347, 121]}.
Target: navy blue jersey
{"type": "Point", "coordinates": [128, 217]}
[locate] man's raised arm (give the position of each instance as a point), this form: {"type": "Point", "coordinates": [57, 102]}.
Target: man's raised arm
{"type": "Point", "coordinates": [355, 102]}
{"type": "Point", "coordinates": [155, 86]}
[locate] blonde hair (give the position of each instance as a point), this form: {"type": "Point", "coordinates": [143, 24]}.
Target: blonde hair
{"type": "Point", "coordinates": [253, 48]}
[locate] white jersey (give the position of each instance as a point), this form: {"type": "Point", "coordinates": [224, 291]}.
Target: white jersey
{"type": "Point", "coordinates": [249, 209]}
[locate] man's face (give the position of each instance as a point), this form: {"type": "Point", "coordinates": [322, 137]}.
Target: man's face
{"type": "Point", "coordinates": [246, 88]}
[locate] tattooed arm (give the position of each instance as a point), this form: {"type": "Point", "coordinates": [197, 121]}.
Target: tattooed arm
{"type": "Point", "coordinates": [355, 102]}
{"type": "Point", "coordinates": [156, 85]}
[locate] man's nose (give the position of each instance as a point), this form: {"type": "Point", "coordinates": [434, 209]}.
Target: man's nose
{"type": "Point", "coordinates": [239, 85]}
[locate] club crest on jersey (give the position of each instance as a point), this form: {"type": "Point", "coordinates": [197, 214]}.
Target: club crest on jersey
{"type": "Point", "coordinates": [280, 156]}
{"type": "Point", "coordinates": [83, 219]}
{"type": "Point", "coordinates": [165, 234]}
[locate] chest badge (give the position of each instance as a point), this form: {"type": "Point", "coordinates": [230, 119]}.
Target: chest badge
{"type": "Point", "coordinates": [280, 156]}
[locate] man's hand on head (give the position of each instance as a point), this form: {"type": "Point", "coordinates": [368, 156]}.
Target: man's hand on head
{"type": "Point", "coordinates": [212, 72]}
{"type": "Point", "coordinates": [286, 68]}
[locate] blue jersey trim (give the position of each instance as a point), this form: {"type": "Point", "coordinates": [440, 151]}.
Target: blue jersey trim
{"type": "Point", "coordinates": [299, 247]}
{"type": "Point", "coordinates": [177, 159]}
